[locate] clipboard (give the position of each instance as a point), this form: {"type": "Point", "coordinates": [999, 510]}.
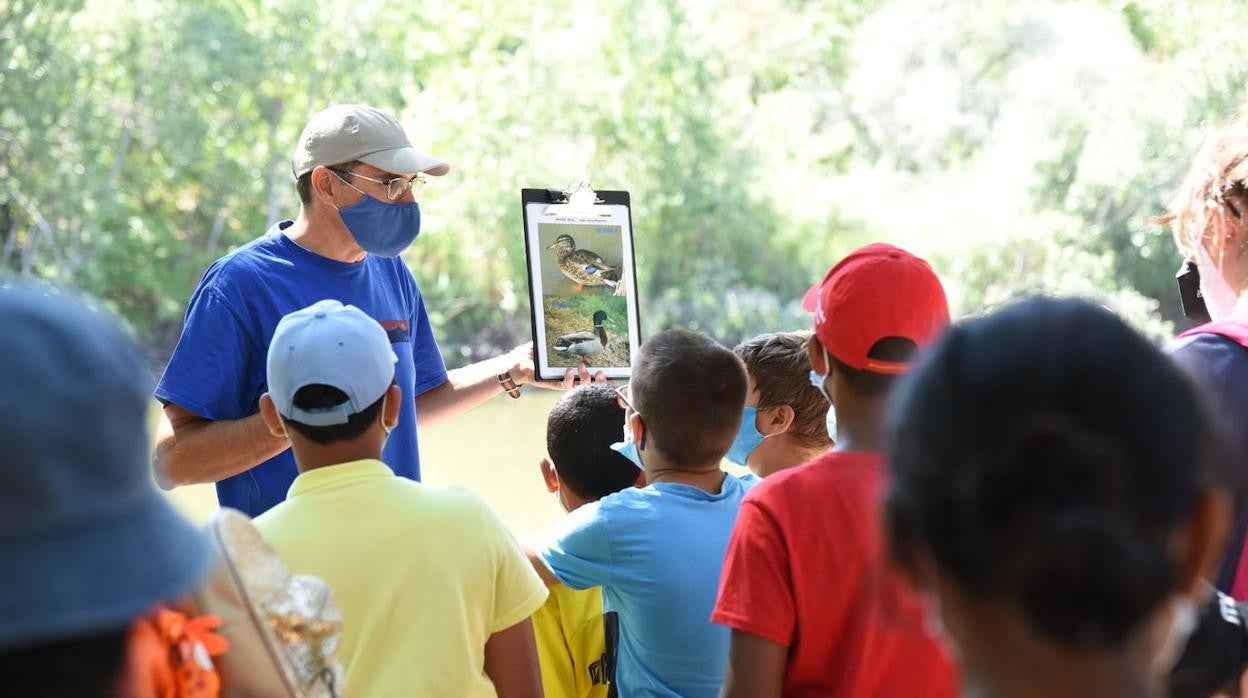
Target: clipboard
{"type": "Point", "coordinates": [578, 247]}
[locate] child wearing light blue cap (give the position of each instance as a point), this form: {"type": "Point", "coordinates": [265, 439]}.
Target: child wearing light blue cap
{"type": "Point", "coordinates": [436, 596]}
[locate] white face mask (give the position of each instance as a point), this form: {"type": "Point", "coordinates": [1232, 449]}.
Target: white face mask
{"type": "Point", "coordinates": [1219, 297]}
{"type": "Point", "coordinates": [560, 500]}
{"type": "Point", "coordinates": [385, 429]}
{"type": "Point", "coordinates": [817, 380]}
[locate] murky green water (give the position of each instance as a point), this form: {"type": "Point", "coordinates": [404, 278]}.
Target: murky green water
{"type": "Point", "coordinates": [493, 450]}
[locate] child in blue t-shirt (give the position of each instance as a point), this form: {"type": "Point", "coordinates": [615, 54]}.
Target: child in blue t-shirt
{"type": "Point", "coordinates": [657, 551]}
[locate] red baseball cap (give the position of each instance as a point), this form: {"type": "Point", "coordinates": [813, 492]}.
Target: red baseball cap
{"type": "Point", "coordinates": [878, 291]}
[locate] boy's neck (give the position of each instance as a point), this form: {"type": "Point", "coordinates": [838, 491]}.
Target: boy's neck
{"type": "Point", "coordinates": [860, 424]}
{"type": "Point", "coordinates": [785, 453]}
{"type": "Point", "coordinates": [708, 478]}
{"type": "Point", "coordinates": [310, 456]}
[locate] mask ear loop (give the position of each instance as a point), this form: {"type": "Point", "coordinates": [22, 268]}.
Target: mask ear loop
{"type": "Point", "coordinates": [385, 429]}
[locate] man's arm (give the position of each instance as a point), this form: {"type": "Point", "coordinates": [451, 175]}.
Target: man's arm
{"type": "Point", "coordinates": [511, 662]}
{"type": "Point", "coordinates": [191, 449]}
{"type": "Point", "coordinates": [472, 385]}
{"type": "Point", "coordinates": [755, 667]}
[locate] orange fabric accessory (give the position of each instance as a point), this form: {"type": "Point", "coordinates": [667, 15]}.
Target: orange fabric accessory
{"type": "Point", "coordinates": [170, 656]}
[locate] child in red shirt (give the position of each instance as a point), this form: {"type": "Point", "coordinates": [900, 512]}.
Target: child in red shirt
{"type": "Point", "coordinates": [813, 606]}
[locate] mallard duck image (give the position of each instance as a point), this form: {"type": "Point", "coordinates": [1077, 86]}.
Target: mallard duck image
{"type": "Point", "coordinates": [585, 267]}
{"type": "Point", "coordinates": [586, 343]}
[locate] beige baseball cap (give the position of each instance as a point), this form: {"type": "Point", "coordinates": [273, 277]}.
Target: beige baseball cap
{"type": "Point", "coordinates": [346, 132]}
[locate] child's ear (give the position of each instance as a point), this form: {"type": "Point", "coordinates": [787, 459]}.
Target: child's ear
{"type": "Point", "coordinates": [550, 475]}
{"type": "Point", "coordinates": [393, 404]}
{"type": "Point", "coordinates": [1200, 550]}
{"type": "Point", "coordinates": [814, 352]}
{"type": "Point", "coordinates": [638, 429]}
{"type": "Point", "coordinates": [780, 421]}
{"type": "Point", "coordinates": [272, 420]}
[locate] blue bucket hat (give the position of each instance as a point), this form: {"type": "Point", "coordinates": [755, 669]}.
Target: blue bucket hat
{"type": "Point", "coordinates": [88, 543]}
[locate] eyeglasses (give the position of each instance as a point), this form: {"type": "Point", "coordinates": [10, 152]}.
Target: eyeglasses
{"type": "Point", "coordinates": [395, 187]}
{"type": "Point", "coordinates": [623, 397]}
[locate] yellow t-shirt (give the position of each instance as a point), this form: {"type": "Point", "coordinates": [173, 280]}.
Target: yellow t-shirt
{"type": "Point", "coordinates": [571, 643]}
{"type": "Point", "coordinates": [423, 574]}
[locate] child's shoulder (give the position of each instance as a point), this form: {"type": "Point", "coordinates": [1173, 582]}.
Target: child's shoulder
{"type": "Point", "coordinates": [445, 500]}
{"type": "Point", "coordinates": [629, 498]}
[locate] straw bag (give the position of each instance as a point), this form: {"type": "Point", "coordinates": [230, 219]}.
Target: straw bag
{"type": "Point", "coordinates": [283, 629]}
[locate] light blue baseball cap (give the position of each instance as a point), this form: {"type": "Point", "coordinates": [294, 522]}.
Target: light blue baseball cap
{"type": "Point", "coordinates": [328, 343]}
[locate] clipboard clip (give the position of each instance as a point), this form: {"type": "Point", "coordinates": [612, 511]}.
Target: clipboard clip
{"type": "Point", "coordinates": [579, 199]}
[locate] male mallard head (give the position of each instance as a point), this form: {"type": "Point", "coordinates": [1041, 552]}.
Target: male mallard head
{"type": "Point", "coordinates": [599, 318]}
{"type": "Point", "coordinates": [563, 242]}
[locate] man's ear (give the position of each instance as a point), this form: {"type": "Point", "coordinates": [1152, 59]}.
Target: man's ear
{"type": "Point", "coordinates": [780, 420]}
{"type": "Point", "coordinates": [392, 407]}
{"type": "Point", "coordinates": [272, 420]}
{"type": "Point", "coordinates": [324, 182]}
{"type": "Point", "coordinates": [550, 475]}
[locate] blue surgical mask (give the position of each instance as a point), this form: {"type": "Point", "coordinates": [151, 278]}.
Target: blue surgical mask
{"type": "Point", "coordinates": [748, 438]}
{"type": "Point", "coordinates": [628, 449]}
{"type": "Point", "coordinates": [380, 228]}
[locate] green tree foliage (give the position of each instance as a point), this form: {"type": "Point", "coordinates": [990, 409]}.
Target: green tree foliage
{"type": "Point", "coordinates": [1021, 147]}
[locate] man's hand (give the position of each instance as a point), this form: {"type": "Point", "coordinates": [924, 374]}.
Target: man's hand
{"type": "Point", "coordinates": [524, 372]}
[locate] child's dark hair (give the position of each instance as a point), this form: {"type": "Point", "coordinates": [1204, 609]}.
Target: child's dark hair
{"type": "Point", "coordinates": [1043, 455]}
{"type": "Point", "coordinates": [869, 383]}
{"type": "Point", "coordinates": [579, 433]}
{"type": "Point", "coordinates": [89, 665]}
{"type": "Point", "coordinates": [780, 367]}
{"type": "Point", "coordinates": [690, 391]}
{"type": "Point", "coordinates": [317, 396]}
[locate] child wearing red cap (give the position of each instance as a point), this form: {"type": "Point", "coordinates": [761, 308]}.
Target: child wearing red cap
{"type": "Point", "coordinates": [813, 607]}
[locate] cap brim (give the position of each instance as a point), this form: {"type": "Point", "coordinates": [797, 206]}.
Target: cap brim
{"type": "Point", "coordinates": [810, 301]}
{"type": "Point", "coordinates": [98, 577]}
{"type": "Point", "coordinates": [406, 161]}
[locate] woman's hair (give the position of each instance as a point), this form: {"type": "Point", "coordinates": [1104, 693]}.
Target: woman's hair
{"type": "Point", "coordinates": [1215, 183]}
{"type": "Point", "coordinates": [1042, 455]}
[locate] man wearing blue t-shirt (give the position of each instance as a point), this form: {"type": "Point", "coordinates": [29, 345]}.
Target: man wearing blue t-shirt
{"type": "Point", "coordinates": [357, 175]}
{"type": "Point", "coordinates": [657, 551]}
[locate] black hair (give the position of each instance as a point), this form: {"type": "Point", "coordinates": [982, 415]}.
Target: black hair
{"type": "Point", "coordinates": [317, 396]}
{"type": "Point", "coordinates": [90, 666]}
{"type": "Point", "coordinates": [870, 383]}
{"type": "Point", "coordinates": [579, 433]}
{"type": "Point", "coordinates": [1042, 455]}
{"type": "Point", "coordinates": [690, 392]}
{"type": "Point", "coordinates": [780, 367]}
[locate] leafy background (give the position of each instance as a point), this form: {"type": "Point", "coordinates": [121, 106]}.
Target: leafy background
{"type": "Point", "coordinates": [1022, 147]}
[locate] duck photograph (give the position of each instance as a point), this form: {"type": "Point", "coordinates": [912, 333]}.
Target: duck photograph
{"type": "Point", "coordinates": [581, 259]}
{"type": "Point", "coordinates": [587, 331]}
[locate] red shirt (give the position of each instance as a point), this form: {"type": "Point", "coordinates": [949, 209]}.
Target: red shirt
{"type": "Point", "coordinates": [807, 569]}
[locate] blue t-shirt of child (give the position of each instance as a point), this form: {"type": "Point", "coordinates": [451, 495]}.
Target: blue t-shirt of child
{"type": "Point", "coordinates": [657, 554]}
{"type": "Point", "coordinates": [218, 368]}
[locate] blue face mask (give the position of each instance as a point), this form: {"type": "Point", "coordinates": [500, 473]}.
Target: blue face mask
{"type": "Point", "coordinates": [830, 420]}
{"type": "Point", "coordinates": [380, 228]}
{"type": "Point", "coordinates": [748, 438]}
{"type": "Point", "coordinates": [628, 449]}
